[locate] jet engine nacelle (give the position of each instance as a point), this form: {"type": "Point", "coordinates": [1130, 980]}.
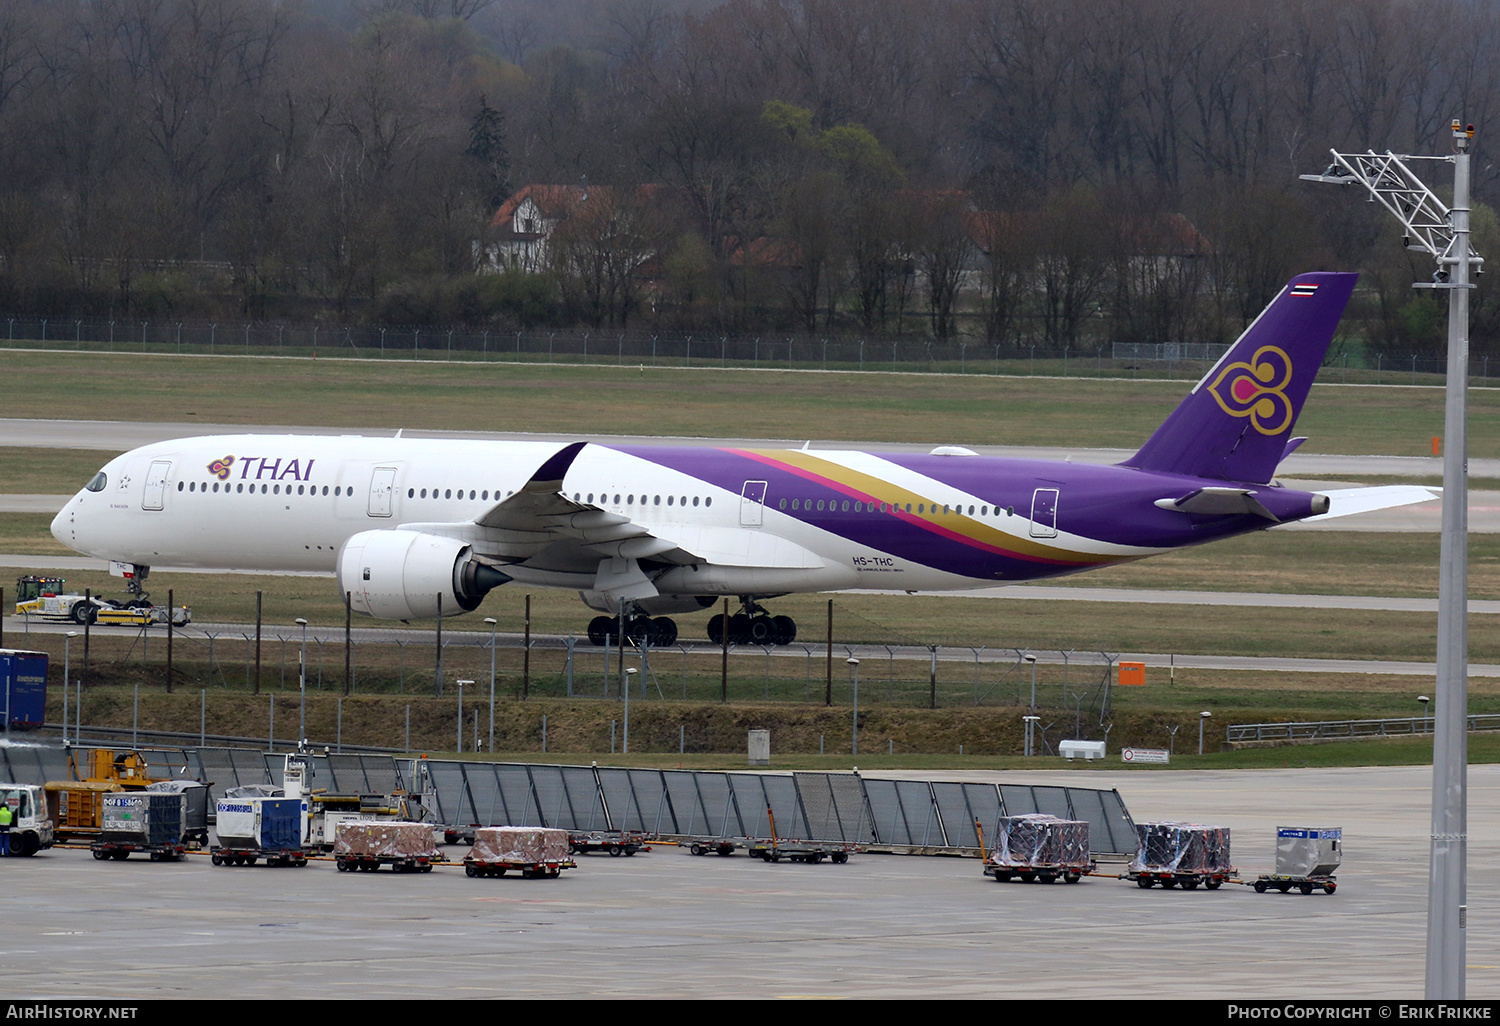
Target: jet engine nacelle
{"type": "Point", "coordinates": [398, 575]}
{"type": "Point", "coordinates": [656, 606]}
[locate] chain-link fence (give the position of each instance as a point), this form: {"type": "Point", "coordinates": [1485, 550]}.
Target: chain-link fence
{"type": "Point", "coordinates": [673, 350]}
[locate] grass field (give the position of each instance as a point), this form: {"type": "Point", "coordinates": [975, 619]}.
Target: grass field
{"type": "Point", "coordinates": [707, 402]}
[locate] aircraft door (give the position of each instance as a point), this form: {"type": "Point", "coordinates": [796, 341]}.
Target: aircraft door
{"type": "Point", "coordinates": [752, 503]}
{"type": "Point", "coordinates": [155, 495]}
{"type": "Point", "coordinates": [382, 483]}
{"type": "Point", "coordinates": [1044, 513]}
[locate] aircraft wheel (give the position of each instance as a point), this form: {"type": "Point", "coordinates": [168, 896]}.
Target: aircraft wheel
{"type": "Point", "coordinates": [666, 631]}
{"type": "Point", "coordinates": [601, 630]}
{"type": "Point", "coordinates": [639, 630]}
{"type": "Point", "coordinates": [760, 630]}
{"type": "Point", "coordinates": [739, 629]}
{"type": "Point", "coordinates": [783, 630]}
{"type": "Point", "coordinates": [716, 628]}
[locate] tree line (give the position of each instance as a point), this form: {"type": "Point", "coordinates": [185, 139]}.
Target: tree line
{"type": "Point", "coordinates": [1053, 171]}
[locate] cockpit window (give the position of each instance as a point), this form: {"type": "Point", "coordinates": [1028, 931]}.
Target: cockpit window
{"type": "Point", "coordinates": [98, 483]}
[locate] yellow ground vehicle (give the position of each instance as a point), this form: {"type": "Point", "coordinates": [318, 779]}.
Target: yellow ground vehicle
{"type": "Point", "coordinates": [44, 597]}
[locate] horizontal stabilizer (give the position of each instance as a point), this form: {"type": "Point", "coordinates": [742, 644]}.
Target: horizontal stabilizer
{"type": "Point", "coordinates": [1345, 502]}
{"type": "Point", "coordinates": [1219, 502]}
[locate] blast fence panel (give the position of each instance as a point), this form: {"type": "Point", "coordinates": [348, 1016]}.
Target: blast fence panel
{"type": "Point", "coordinates": [835, 806]}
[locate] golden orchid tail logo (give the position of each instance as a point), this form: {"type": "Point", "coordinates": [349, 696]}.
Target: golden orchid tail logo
{"type": "Point", "coordinates": [220, 468]}
{"type": "Point", "coordinates": [1257, 390]}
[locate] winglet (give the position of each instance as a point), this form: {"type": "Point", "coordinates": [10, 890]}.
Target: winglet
{"type": "Point", "coordinates": [1236, 422]}
{"type": "Point", "coordinates": [549, 476]}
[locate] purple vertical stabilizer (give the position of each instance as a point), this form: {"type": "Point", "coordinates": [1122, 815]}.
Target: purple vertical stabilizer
{"type": "Point", "coordinates": [1235, 424]}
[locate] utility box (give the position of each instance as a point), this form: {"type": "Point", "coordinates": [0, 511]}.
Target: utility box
{"type": "Point", "coordinates": [1308, 851]}
{"type": "Point", "coordinates": [760, 748]}
{"type": "Point", "coordinates": [1131, 674]}
{"type": "Point", "coordinates": [1081, 749]}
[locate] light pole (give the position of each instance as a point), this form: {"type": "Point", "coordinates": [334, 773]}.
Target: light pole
{"type": "Point", "coordinates": [629, 680]}
{"type": "Point", "coordinates": [302, 688]}
{"type": "Point", "coordinates": [1202, 719]}
{"type": "Point", "coordinates": [459, 747]}
{"type": "Point", "coordinates": [66, 671]}
{"type": "Point", "coordinates": [1424, 700]}
{"type": "Point", "coordinates": [854, 669]}
{"type": "Point", "coordinates": [491, 621]}
{"type": "Point", "coordinates": [1172, 741]}
{"type": "Point", "coordinates": [1428, 225]}
{"type": "Point", "coordinates": [1032, 660]}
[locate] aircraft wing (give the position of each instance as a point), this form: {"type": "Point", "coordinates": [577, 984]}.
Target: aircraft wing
{"type": "Point", "coordinates": [540, 522]}
{"type": "Point", "coordinates": [1345, 502]}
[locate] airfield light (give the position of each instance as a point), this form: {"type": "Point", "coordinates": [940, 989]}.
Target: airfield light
{"type": "Point", "coordinates": [491, 621]}
{"type": "Point", "coordinates": [66, 641]}
{"type": "Point", "coordinates": [460, 746]}
{"type": "Point", "coordinates": [854, 672]}
{"type": "Point", "coordinates": [302, 687]}
{"type": "Point", "coordinates": [630, 673]}
{"type": "Point", "coordinates": [1202, 719]}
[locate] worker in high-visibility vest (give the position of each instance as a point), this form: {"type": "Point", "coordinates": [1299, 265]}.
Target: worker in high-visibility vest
{"type": "Point", "coordinates": [6, 819]}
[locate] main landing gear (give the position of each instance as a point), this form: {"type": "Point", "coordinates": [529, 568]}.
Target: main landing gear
{"type": "Point", "coordinates": [654, 631]}
{"type": "Point", "coordinates": [754, 626]}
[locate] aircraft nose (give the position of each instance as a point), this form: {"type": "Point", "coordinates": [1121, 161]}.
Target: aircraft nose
{"type": "Point", "coordinates": [62, 524]}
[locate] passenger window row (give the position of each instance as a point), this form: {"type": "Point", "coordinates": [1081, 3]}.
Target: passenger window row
{"type": "Point", "coordinates": [265, 489]}
{"type": "Point", "coordinates": [845, 506]}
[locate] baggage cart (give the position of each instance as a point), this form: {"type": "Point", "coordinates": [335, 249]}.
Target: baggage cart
{"type": "Point", "coordinates": [716, 845]}
{"type": "Point", "coordinates": [534, 852]}
{"type": "Point", "coordinates": [616, 842]}
{"type": "Point", "coordinates": [777, 848]}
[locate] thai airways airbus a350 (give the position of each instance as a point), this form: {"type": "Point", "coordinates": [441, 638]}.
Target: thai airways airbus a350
{"type": "Point", "coordinates": [418, 528]}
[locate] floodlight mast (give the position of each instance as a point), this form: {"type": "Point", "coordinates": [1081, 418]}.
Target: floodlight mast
{"type": "Point", "coordinates": [1443, 233]}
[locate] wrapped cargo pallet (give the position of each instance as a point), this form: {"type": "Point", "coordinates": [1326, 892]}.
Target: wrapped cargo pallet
{"type": "Point", "coordinates": [144, 818]}
{"type": "Point", "coordinates": [385, 839]}
{"type": "Point", "coordinates": [1185, 848]}
{"type": "Point", "coordinates": [520, 845]}
{"type": "Point", "coordinates": [1038, 839]}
